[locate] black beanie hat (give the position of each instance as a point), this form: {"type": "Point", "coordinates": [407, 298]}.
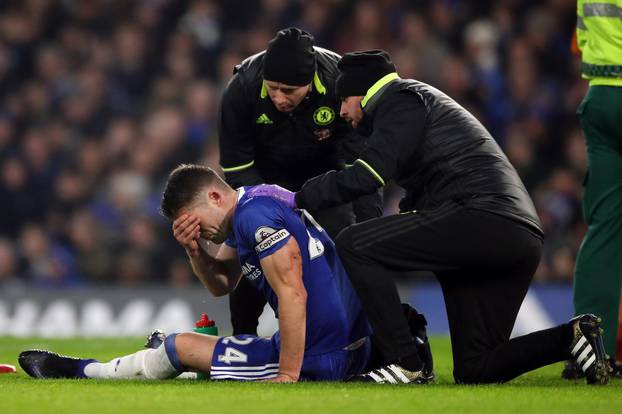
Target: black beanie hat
{"type": "Point", "coordinates": [360, 70]}
{"type": "Point", "coordinates": [290, 58]}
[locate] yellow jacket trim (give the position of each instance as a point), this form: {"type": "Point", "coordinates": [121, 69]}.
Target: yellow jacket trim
{"type": "Point", "coordinates": [317, 84]}
{"type": "Point", "coordinates": [238, 168]}
{"type": "Point", "coordinates": [371, 170]}
{"type": "Point", "coordinates": [377, 86]}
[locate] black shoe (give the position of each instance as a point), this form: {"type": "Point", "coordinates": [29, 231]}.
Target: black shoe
{"type": "Point", "coordinates": [391, 374]}
{"type": "Point", "coordinates": [46, 364]}
{"type": "Point", "coordinates": [155, 339]}
{"type": "Point", "coordinates": [417, 324]}
{"type": "Point", "coordinates": [572, 371]}
{"type": "Point", "coordinates": [588, 350]}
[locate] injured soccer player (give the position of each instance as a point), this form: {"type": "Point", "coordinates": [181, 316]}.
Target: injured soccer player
{"type": "Point", "coordinates": [323, 334]}
{"type": "Point", "coordinates": [178, 353]}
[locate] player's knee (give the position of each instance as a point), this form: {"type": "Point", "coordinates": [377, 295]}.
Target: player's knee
{"type": "Point", "coordinates": [161, 362]}
{"type": "Point", "coordinates": [182, 340]}
{"type": "Point", "coordinates": [178, 347]}
{"type": "Point", "coordinates": [186, 342]}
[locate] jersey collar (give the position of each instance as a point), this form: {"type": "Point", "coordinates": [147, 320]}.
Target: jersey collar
{"type": "Point", "coordinates": [241, 191]}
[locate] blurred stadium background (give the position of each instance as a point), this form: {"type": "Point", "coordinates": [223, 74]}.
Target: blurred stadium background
{"type": "Point", "coordinates": [99, 99]}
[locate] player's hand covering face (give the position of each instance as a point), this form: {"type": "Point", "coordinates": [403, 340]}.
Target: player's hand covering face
{"type": "Point", "coordinates": [210, 219]}
{"type": "Point", "coordinates": [186, 231]}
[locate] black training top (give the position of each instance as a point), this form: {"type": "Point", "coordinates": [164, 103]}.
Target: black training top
{"type": "Point", "coordinates": [432, 147]}
{"type": "Point", "coordinates": [259, 144]}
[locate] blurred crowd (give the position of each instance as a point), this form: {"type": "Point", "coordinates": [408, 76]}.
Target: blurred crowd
{"type": "Point", "coordinates": [99, 99]}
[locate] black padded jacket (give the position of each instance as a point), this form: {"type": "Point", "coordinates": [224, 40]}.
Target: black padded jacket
{"type": "Point", "coordinates": [433, 148]}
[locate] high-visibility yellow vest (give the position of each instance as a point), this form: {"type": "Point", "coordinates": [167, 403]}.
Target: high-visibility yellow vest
{"type": "Point", "coordinates": [599, 36]}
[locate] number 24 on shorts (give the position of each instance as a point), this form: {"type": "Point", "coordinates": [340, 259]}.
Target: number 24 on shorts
{"type": "Point", "coordinates": [232, 354]}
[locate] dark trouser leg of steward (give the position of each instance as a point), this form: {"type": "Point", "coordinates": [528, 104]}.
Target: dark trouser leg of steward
{"type": "Point", "coordinates": [482, 309]}
{"type": "Point", "coordinates": [484, 262]}
{"type": "Point", "coordinates": [246, 303]}
{"type": "Point", "coordinates": [598, 273]}
{"type": "Point", "coordinates": [334, 219]}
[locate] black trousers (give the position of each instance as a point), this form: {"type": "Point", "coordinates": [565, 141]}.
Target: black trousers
{"type": "Point", "coordinates": [246, 303]}
{"type": "Point", "coordinates": [484, 263]}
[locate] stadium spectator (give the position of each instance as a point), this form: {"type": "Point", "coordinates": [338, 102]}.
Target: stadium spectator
{"type": "Point", "coordinates": [9, 279]}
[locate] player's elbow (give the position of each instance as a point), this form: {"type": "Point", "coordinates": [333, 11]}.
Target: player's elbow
{"type": "Point", "coordinates": [218, 290]}
{"type": "Point", "coordinates": [299, 296]}
{"type": "Point", "coordinates": [293, 295]}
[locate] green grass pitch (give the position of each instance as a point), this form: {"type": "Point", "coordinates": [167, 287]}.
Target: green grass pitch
{"type": "Point", "coordinates": [541, 391]}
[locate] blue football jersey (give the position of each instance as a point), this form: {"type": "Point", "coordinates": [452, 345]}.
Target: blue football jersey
{"type": "Point", "coordinates": [261, 226]}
